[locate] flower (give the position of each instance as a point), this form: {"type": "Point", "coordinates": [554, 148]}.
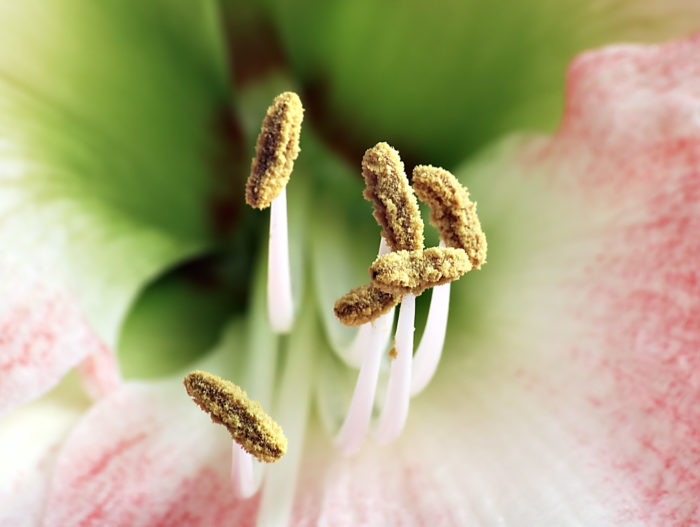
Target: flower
{"type": "Point", "coordinates": [567, 392]}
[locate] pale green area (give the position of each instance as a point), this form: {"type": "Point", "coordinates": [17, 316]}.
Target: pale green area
{"type": "Point", "coordinates": [445, 78]}
{"type": "Point", "coordinates": [108, 141]}
{"type": "Point", "coordinates": [174, 322]}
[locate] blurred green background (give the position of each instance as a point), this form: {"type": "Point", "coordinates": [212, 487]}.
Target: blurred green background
{"type": "Point", "coordinates": [142, 116]}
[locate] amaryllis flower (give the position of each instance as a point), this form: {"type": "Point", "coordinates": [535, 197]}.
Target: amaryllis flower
{"type": "Point", "coordinates": [567, 393]}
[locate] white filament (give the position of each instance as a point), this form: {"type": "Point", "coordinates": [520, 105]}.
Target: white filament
{"type": "Point", "coordinates": [354, 429]}
{"type": "Point", "coordinates": [429, 350]}
{"type": "Point", "coordinates": [243, 479]}
{"type": "Point", "coordinates": [280, 305]}
{"type": "Point", "coordinates": [355, 352]}
{"type": "Point", "coordinates": [395, 411]}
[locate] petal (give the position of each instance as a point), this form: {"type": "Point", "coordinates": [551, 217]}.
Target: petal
{"type": "Point", "coordinates": [88, 147]}
{"type": "Point", "coordinates": [31, 437]}
{"type": "Point", "coordinates": [42, 335]}
{"type": "Point", "coordinates": [569, 392]}
{"type": "Point", "coordinates": [162, 462]}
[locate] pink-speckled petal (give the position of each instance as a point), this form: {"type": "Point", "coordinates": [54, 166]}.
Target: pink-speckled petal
{"type": "Point", "coordinates": [578, 401]}
{"type": "Point", "coordinates": [99, 373]}
{"type": "Point", "coordinates": [634, 113]}
{"type": "Point", "coordinates": [31, 438]}
{"type": "Point", "coordinates": [42, 335]}
{"type": "Point", "coordinates": [146, 456]}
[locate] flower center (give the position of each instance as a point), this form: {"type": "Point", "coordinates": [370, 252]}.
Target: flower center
{"type": "Point", "coordinates": [402, 270]}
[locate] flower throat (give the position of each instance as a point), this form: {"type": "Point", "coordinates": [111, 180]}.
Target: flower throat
{"type": "Point", "coordinates": [403, 269]}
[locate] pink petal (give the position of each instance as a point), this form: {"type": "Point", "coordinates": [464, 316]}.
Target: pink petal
{"type": "Point", "coordinates": [31, 437]}
{"type": "Point", "coordinates": [146, 455]}
{"type": "Point", "coordinates": [578, 401]}
{"type": "Point", "coordinates": [42, 336]}
{"type": "Point", "coordinates": [633, 121]}
{"type": "Point", "coordinates": [100, 373]}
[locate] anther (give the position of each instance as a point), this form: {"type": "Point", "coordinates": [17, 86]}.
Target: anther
{"type": "Point", "coordinates": [452, 213]}
{"type": "Point", "coordinates": [404, 272]}
{"type": "Point", "coordinates": [364, 304]}
{"type": "Point", "coordinates": [395, 205]}
{"type": "Point", "coordinates": [275, 151]}
{"type": "Point", "coordinates": [246, 421]}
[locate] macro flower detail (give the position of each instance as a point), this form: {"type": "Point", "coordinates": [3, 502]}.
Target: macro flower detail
{"type": "Point", "coordinates": [245, 420]}
{"type": "Point", "coordinates": [451, 211]}
{"type": "Point", "coordinates": [565, 391]}
{"type": "Point", "coordinates": [404, 272]}
{"type": "Point", "coordinates": [276, 149]}
{"type": "Point", "coordinates": [395, 205]}
{"type": "Point", "coordinates": [364, 304]}
{"type": "Point", "coordinates": [398, 276]}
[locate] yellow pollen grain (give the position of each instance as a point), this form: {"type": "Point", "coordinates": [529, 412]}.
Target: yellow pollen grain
{"type": "Point", "coordinates": [395, 205]}
{"type": "Point", "coordinates": [244, 418]}
{"type": "Point", "coordinates": [275, 151]}
{"type": "Point", "coordinates": [393, 353]}
{"type": "Point", "coordinates": [404, 272]}
{"type": "Point", "coordinates": [452, 212]}
{"type": "Point", "coordinates": [364, 304]}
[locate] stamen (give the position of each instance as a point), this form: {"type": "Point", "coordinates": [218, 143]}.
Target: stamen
{"type": "Point", "coordinates": [393, 353]}
{"type": "Point", "coordinates": [276, 149]}
{"type": "Point", "coordinates": [403, 272]}
{"type": "Point", "coordinates": [353, 354]}
{"type": "Point", "coordinates": [242, 477]}
{"type": "Point", "coordinates": [364, 304]}
{"type": "Point", "coordinates": [429, 350]}
{"type": "Point", "coordinates": [354, 429]}
{"type": "Point", "coordinates": [452, 212]}
{"type": "Point", "coordinates": [393, 417]}
{"type": "Point", "coordinates": [395, 205]}
{"type": "Point", "coordinates": [280, 305]}
{"type": "Point", "coordinates": [245, 419]}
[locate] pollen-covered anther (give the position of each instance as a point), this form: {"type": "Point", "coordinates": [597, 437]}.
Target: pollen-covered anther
{"type": "Point", "coordinates": [452, 213]}
{"type": "Point", "coordinates": [364, 304]}
{"type": "Point", "coordinates": [276, 150]}
{"type": "Point", "coordinates": [246, 421]}
{"type": "Point", "coordinates": [395, 205]}
{"type": "Point", "coordinates": [404, 272]}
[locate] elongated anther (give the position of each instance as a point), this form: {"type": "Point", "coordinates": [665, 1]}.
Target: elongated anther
{"type": "Point", "coordinates": [395, 205]}
{"type": "Point", "coordinates": [364, 304]}
{"type": "Point", "coordinates": [246, 421]}
{"type": "Point", "coordinates": [452, 213]}
{"type": "Point", "coordinates": [404, 272]}
{"type": "Point", "coordinates": [276, 150]}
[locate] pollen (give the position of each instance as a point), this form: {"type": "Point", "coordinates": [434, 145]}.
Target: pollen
{"type": "Point", "coordinates": [404, 272]}
{"type": "Point", "coordinates": [452, 213]}
{"type": "Point", "coordinates": [393, 353]}
{"type": "Point", "coordinates": [246, 421]}
{"type": "Point", "coordinates": [276, 150]}
{"type": "Point", "coordinates": [364, 304]}
{"type": "Point", "coordinates": [395, 205]}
